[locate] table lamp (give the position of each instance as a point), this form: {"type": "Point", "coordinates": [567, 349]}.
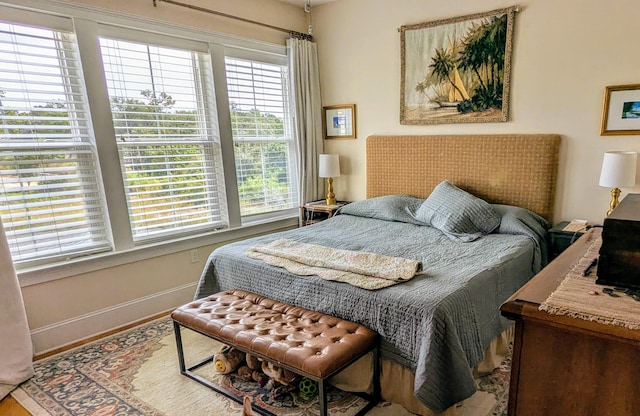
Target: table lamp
{"type": "Point", "coordinates": [329, 168]}
{"type": "Point", "coordinates": [618, 171]}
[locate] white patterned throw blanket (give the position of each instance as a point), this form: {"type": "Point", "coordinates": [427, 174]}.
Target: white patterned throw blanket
{"type": "Point", "coordinates": [358, 268]}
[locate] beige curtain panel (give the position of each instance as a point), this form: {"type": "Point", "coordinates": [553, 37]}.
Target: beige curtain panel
{"type": "Point", "coordinates": [305, 85]}
{"type": "Point", "coordinates": [16, 349]}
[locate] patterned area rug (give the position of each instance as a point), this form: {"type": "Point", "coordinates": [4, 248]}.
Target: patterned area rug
{"type": "Point", "coordinates": [136, 373]}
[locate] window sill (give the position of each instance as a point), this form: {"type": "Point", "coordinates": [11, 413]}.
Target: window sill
{"type": "Point", "coordinates": [41, 274]}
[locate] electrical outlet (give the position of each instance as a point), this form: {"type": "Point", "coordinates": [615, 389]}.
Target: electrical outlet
{"type": "Point", "coordinates": [195, 255]}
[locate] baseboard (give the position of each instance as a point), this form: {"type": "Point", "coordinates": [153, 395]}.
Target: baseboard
{"type": "Point", "coordinates": [64, 333]}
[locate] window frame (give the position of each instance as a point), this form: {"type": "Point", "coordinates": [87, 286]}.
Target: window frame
{"type": "Point", "coordinates": [269, 58]}
{"type": "Point", "coordinates": [89, 23]}
{"type": "Point", "coordinates": [79, 226]}
{"type": "Point", "coordinates": [214, 155]}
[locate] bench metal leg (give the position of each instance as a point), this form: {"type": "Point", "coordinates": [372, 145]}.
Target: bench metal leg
{"type": "Point", "coordinates": [322, 397]}
{"type": "Point", "coordinates": [376, 376]}
{"type": "Point", "coordinates": [374, 397]}
{"type": "Point", "coordinates": [176, 331]}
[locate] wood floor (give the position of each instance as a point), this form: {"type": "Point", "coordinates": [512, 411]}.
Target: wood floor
{"type": "Point", "coordinates": [10, 407]}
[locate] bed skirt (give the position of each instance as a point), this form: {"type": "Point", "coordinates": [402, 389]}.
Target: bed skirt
{"type": "Point", "coordinates": [397, 381]}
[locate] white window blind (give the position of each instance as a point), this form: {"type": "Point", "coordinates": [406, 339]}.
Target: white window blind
{"type": "Point", "coordinates": [164, 119]}
{"type": "Point", "coordinates": [263, 145]}
{"type": "Point", "coordinates": [50, 195]}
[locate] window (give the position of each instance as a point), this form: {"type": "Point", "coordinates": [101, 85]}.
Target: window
{"type": "Point", "coordinates": [262, 137]}
{"type": "Point", "coordinates": [162, 111]}
{"type": "Point", "coordinates": [51, 201]}
{"type": "Point", "coordinates": [110, 141]}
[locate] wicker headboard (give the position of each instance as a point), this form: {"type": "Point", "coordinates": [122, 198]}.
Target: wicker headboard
{"type": "Point", "coordinates": [518, 169]}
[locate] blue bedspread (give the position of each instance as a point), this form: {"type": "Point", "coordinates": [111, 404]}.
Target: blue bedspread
{"type": "Point", "coordinates": [438, 323]}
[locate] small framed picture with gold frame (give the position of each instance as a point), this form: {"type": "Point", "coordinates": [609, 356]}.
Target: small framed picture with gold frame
{"type": "Point", "coordinates": [621, 112]}
{"type": "Point", "coordinates": [339, 121]}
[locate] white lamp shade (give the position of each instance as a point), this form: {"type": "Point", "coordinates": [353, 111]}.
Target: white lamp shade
{"type": "Point", "coordinates": [619, 169]}
{"type": "Point", "coordinates": [329, 166]}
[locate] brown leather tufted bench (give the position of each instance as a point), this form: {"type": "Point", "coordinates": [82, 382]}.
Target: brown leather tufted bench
{"type": "Point", "coordinates": [308, 343]}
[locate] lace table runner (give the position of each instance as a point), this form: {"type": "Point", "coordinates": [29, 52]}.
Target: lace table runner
{"type": "Point", "coordinates": [580, 297]}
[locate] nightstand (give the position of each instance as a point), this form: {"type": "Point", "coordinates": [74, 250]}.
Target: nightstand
{"type": "Point", "coordinates": [560, 240]}
{"type": "Point", "coordinates": [317, 211]}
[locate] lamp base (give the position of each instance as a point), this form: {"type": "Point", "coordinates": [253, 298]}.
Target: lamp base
{"type": "Point", "coordinates": [615, 194]}
{"type": "Point", "coordinates": [331, 197]}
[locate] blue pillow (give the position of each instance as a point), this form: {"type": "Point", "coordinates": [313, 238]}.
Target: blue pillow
{"type": "Point", "coordinates": [400, 208]}
{"type": "Point", "coordinates": [457, 213]}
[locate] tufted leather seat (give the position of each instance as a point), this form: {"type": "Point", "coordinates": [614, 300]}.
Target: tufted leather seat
{"type": "Point", "coordinates": [310, 342]}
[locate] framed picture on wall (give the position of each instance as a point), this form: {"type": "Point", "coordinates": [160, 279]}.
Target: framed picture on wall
{"type": "Point", "coordinates": [457, 70]}
{"type": "Point", "coordinates": [339, 121]}
{"type": "Point", "coordinates": [621, 111]}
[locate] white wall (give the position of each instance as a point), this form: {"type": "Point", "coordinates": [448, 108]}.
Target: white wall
{"type": "Point", "coordinates": [565, 52]}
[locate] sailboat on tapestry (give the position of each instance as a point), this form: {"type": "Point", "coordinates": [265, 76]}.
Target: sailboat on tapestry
{"type": "Point", "coordinates": [452, 92]}
{"type": "Point", "coordinates": [457, 70]}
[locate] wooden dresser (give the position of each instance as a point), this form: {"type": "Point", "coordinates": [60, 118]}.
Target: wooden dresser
{"type": "Point", "coordinates": [568, 366]}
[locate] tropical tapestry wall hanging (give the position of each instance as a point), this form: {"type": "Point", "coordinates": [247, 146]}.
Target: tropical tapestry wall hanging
{"type": "Point", "coordinates": [457, 70]}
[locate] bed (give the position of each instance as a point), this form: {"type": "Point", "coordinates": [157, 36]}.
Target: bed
{"type": "Point", "coordinates": [438, 325]}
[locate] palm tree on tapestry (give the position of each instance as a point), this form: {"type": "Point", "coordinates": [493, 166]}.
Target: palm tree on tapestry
{"type": "Point", "coordinates": [472, 69]}
{"type": "Point", "coordinates": [483, 54]}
